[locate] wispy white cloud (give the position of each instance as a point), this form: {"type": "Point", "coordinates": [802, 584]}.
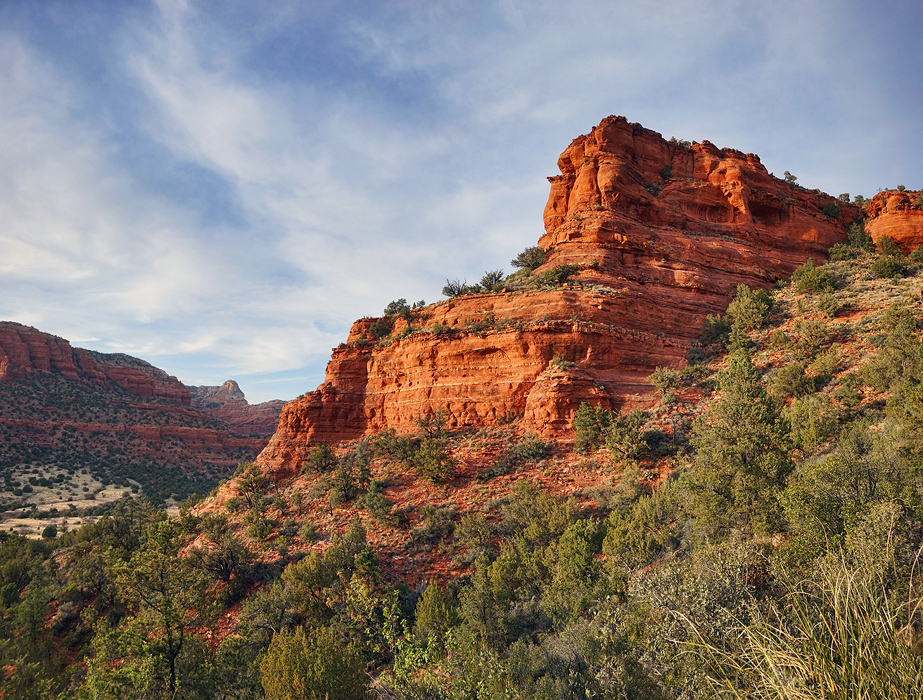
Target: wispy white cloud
{"type": "Point", "coordinates": [256, 177]}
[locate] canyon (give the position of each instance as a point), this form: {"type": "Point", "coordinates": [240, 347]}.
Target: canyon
{"type": "Point", "coordinates": [644, 238]}
{"type": "Point", "coordinates": [117, 417]}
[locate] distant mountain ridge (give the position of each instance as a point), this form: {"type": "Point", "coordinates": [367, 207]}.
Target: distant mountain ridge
{"type": "Point", "coordinates": [228, 404]}
{"type": "Point", "coordinates": [64, 409]}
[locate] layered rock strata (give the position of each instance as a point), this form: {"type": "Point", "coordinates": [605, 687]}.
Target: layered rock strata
{"type": "Point", "coordinates": [662, 233]}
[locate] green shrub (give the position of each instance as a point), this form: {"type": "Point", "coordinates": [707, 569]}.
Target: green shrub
{"type": "Point", "coordinates": [916, 255]}
{"type": "Point", "coordinates": [558, 276]}
{"type": "Point", "coordinates": [857, 237]}
{"type": "Point", "coordinates": [831, 210]}
{"type": "Point", "coordinates": [381, 327]}
{"type": "Point", "coordinates": [438, 523]}
{"type": "Point", "coordinates": [666, 172]}
{"type": "Point", "coordinates": [887, 267]}
{"type": "Point", "coordinates": [300, 666]}
{"type": "Point", "coordinates": [790, 380]}
{"type": "Point", "coordinates": [590, 424]}
{"type": "Point", "coordinates": [715, 330]}
{"type": "Point", "coordinates": [625, 437]}
{"type": "Point", "coordinates": [529, 449]}
{"type": "Point", "coordinates": [399, 308]}
{"type": "Point", "coordinates": [750, 308]}
{"type": "Point", "coordinates": [809, 279]}
{"type": "Point", "coordinates": [841, 251]}
{"type": "Point", "coordinates": [887, 246]}
{"type": "Point", "coordinates": [813, 422]}
{"type": "Point", "coordinates": [529, 259]}
{"type": "Point", "coordinates": [492, 281]}
{"type": "Point", "coordinates": [828, 305]}
{"type": "Point", "coordinates": [320, 460]}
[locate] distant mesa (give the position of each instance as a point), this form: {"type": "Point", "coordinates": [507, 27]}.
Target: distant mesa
{"type": "Point", "coordinates": [228, 404]}
{"type": "Point", "coordinates": [657, 234]}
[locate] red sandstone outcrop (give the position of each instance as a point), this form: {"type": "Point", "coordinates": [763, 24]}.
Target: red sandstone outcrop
{"type": "Point", "coordinates": [228, 404]}
{"type": "Point", "coordinates": [662, 232]}
{"type": "Point", "coordinates": [897, 215]}
{"type": "Point", "coordinates": [25, 350]}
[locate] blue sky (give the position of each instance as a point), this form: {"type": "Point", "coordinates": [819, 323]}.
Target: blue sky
{"type": "Point", "coordinates": [221, 188]}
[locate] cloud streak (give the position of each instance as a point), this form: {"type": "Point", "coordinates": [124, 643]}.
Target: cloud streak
{"type": "Point", "coordinates": [221, 188]}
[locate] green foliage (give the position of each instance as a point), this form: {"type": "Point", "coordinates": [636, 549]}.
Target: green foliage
{"type": "Point", "coordinates": [399, 308]}
{"type": "Point", "coordinates": [381, 328]}
{"type": "Point", "coordinates": [813, 422]}
{"type": "Point", "coordinates": [438, 523]}
{"type": "Point", "coordinates": [831, 210]}
{"type": "Point", "coordinates": [742, 454]}
{"type": "Point", "coordinates": [809, 279]}
{"type": "Point", "coordinates": [716, 329]}
{"type": "Point", "coordinates": [887, 246]}
{"type": "Point", "coordinates": [841, 251]}
{"type": "Point", "coordinates": [789, 178]}
{"type": "Point", "coordinates": [790, 380]}
{"type": "Point", "coordinates": [856, 236]}
{"type": "Point", "coordinates": [455, 288]}
{"type": "Point", "coordinates": [666, 172]}
{"type": "Point", "coordinates": [321, 460]}
{"type": "Point", "coordinates": [899, 359]}
{"type": "Point", "coordinates": [492, 281]}
{"type": "Point", "coordinates": [529, 259]}
{"type": "Point", "coordinates": [590, 425]}
{"type": "Point", "coordinates": [887, 267]}
{"type": "Point", "coordinates": [529, 449]}
{"type": "Point", "coordinates": [319, 666]}
{"type": "Point", "coordinates": [625, 437]}
{"type": "Point", "coordinates": [558, 276]}
{"type": "Point", "coordinates": [828, 305]}
{"type": "Point", "coordinates": [435, 614]}
{"type": "Point", "coordinates": [638, 536]}
{"type": "Point", "coordinates": [749, 311]}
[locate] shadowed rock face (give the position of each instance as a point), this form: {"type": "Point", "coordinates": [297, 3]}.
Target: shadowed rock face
{"type": "Point", "coordinates": [663, 234]}
{"type": "Point", "coordinates": [897, 216]}
{"type": "Point", "coordinates": [228, 404]}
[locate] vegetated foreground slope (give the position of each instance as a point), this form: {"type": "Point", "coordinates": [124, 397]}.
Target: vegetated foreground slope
{"type": "Point", "coordinates": [73, 421]}
{"type": "Point", "coordinates": [753, 532]}
{"type": "Point", "coordinates": [644, 237]}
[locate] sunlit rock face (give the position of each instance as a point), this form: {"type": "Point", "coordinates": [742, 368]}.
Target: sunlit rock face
{"type": "Point", "coordinates": [662, 232]}
{"type": "Point", "coordinates": [897, 215]}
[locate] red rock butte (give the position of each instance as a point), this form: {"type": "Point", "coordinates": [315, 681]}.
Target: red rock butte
{"type": "Point", "coordinates": [897, 215]}
{"type": "Point", "coordinates": [663, 232]}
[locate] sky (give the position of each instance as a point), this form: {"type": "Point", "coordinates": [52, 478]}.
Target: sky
{"type": "Point", "coordinates": [222, 187]}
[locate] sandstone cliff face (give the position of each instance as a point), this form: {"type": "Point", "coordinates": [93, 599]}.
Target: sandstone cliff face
{"type": "Point", "coordinates": [663, 233]}
{"type": "Point", "coordinates": [228, 404]}
{"type": "Point", "coordinates": [898, 216]}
